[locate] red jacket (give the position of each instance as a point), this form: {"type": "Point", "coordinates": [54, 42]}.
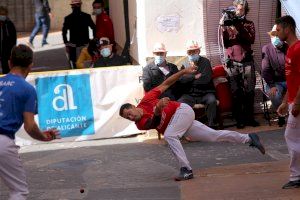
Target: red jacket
{"type": "Point", "coordinates": [104, 27]}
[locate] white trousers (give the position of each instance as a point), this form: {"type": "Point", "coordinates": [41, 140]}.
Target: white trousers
{"type": "Point", "coordinates": [183, 123]}
{"type": "Point", "coordinates": [11, 169]}
{"type": "Point", "coordinates": [292, 137]}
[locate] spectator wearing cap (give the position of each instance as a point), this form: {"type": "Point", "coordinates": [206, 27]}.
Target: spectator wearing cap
{"type": "Point", "coordinates": [104, 25]}
{"type": "Point", "coordinates": [159, 70]}
{"type": "Point", "coordinates": [107, 56]}
{"type": "Point", "coordinates": [273, 61]}
{"type": "Point", "coordinates": [199, 88]}
{"type": "Point", "coordinates": [89, 54]}
{"type": "Point", "coordinates": [8, 38]}
{"type": "Point", "coordinates": [77, 23]}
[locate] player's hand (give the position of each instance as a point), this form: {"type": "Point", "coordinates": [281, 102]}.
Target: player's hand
{"type": "Point", "coordinates": [282, 109]}
{"type": "Point", "coordinates": [272, 92]}
{"type": "Point", "coordinates": [160, 105]}
{"type": "Point", "coordinates": [51, 134]}
{"type": "Point", "coordinates": [295, 110]}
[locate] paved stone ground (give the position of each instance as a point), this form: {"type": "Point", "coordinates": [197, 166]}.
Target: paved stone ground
{"type": "Point", "coordinates": [135, 170]}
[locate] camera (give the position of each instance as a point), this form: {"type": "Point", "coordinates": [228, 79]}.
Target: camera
{"type": "Point", "coordinates": [230, 17]}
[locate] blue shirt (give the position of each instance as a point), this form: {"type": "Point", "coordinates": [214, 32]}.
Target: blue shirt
{"type": "Point", "coordinates": [16, 97]}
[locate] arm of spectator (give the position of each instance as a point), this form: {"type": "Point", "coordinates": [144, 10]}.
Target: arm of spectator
{"type": "Point", "coordinates": [146, 79]}
{"type": "Point", "coordinates": [206, 74]}
{"type": "Point", "coordinates": [246, 32]}
{"type": "Point", "coordinates": [92, 26]}
{"type": "Point", "coordinates": [46, 6]}
{"type": "Point", "coordinates": [13, 34]}
{"type": "Point", "coordinates": [267, 70]}
{"type": "Point", "coordinates": [65, 29]}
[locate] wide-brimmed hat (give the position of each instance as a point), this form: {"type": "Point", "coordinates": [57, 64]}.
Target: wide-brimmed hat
{"type": "Point", "coordinates": [159, 47]}
{"type": "Point", "coordinates": [273, 32]}
{"type": "Point", "coordinates": [192, 45]}
{"type": "Point", "coordinates": [76, 2]}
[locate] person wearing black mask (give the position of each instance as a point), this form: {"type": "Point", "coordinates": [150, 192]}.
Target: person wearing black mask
{"type": "Point", "coordinates": [8, 38]}
{"type": "Point", "coordinates": [77, 23]}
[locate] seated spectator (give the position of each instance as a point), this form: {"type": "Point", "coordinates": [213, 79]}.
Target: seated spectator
{"type": "Point", "coordinates": [199, 88]}
{"type": "Point", "coordinates": [108, 57]}
{"type": "Point", "coordinates": [89, 54]}
{"type": "Point", "coordinates": [273, 61]}
{"type": "Point", "coordinates": [159, 70]}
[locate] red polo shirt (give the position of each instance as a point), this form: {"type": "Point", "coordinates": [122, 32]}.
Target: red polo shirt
{"type": "Point", "coordinates": [292, 70]}
{"type": "Point", "coordinates": [148, 103]}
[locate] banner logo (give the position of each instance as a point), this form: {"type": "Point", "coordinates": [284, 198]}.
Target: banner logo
{"type": "Point", "coordinates": [64, 103]}
{"type": "Point", "coordinates": [67, 98]}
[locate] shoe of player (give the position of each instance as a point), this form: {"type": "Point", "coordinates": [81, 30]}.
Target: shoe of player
{"type": "Point", "coordinates": [184, 174]}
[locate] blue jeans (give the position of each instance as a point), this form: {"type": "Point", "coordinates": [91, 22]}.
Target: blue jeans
{"type": "Point", "coordinates": [41, 21]}
{"type": "Point", "coordinates": [277, 99]}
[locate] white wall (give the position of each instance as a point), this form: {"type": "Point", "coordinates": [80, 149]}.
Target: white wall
{"type": "Point", "coordinates": [187, 24]}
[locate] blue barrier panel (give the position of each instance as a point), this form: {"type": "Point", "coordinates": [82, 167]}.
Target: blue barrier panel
{"type": "Point", "coordinates": [64, 102]}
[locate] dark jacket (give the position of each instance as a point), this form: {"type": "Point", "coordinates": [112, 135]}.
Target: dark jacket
{"type": "Point", "coordinates": [153, 77]}
{"type": "Point", "coordinates": [245, 37]}
{"type": "Point", "coordinates": [78, 24]}
{"type": "Point", "coordinates": [202, 85]}
{"type": "Point", "coordinates": [42, 7]}
{"type": "Point", "coordinates": [115, 60]}
{"type": "Point", "coordinates": [273, 62]}
{"type": "Point", "coordinates": [8, 37]}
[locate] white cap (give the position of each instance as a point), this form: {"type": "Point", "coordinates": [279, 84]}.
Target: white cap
{"type": "Point", "coordinates": [159, 47]}
{"type": "Point", "coordinates": [192, 45]}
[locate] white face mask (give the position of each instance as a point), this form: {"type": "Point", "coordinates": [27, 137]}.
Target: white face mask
{"type": "Point", "coordinates": [97, 11]}
{"type": "Point", "coordinates": [276, 41]}
{"type": "Point", "coordinates": [2, 17]}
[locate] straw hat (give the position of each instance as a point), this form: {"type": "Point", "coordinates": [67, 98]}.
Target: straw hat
{"type": "Point", "coordinates": [273, 32]}
{"type": "Point", "coordinates": [192, 45]}
{"type": "Point", "coordinates": [159, 47]}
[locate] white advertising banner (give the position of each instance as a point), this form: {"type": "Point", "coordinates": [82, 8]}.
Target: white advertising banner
{"type": "Point", "coordinates": [84, 104]}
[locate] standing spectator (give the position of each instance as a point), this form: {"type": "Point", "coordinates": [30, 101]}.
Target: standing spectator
{"type": "Point", "coordinates": [8, 38]}
{"type": "Point", "coordinates": [273, 58]}
{"type": "Point", "coordinates": [286, 31]}
{"type": "Point", "coordinates": [42, 20]}
{"type": "Point", "coordinates": [159, 70]}
{"type": "Point", "coordinates": [238, 35]}
{"type": "Point", "coordinates": [104, 25]}
{"type": "Point", "coordinates": [107, 56]}
{"type": "Point", "coordinates": [77, 23]}
{"type": "Point", "coordinates": [18, 102]}
{"type": "Point", "coordinates": [199, 88]}
{"type": "Point", "coordinates": [89, 54]}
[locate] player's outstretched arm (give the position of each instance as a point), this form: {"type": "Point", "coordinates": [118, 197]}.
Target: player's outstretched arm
{"type": "Point", "coordinates": [33, 130]}
{"type": "Point", "coordinates": [172, 79]}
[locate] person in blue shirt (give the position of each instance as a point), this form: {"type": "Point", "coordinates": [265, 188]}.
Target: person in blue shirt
{"type": "Point", "coordinates": [18, 105]}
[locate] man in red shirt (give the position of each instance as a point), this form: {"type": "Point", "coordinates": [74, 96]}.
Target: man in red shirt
{"type": "Point", "coordinates": [286, 32]}
{"type": "Point", "coordinates": [104, 25]}
{"type": "Point", "coordinates": [176, 120]}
